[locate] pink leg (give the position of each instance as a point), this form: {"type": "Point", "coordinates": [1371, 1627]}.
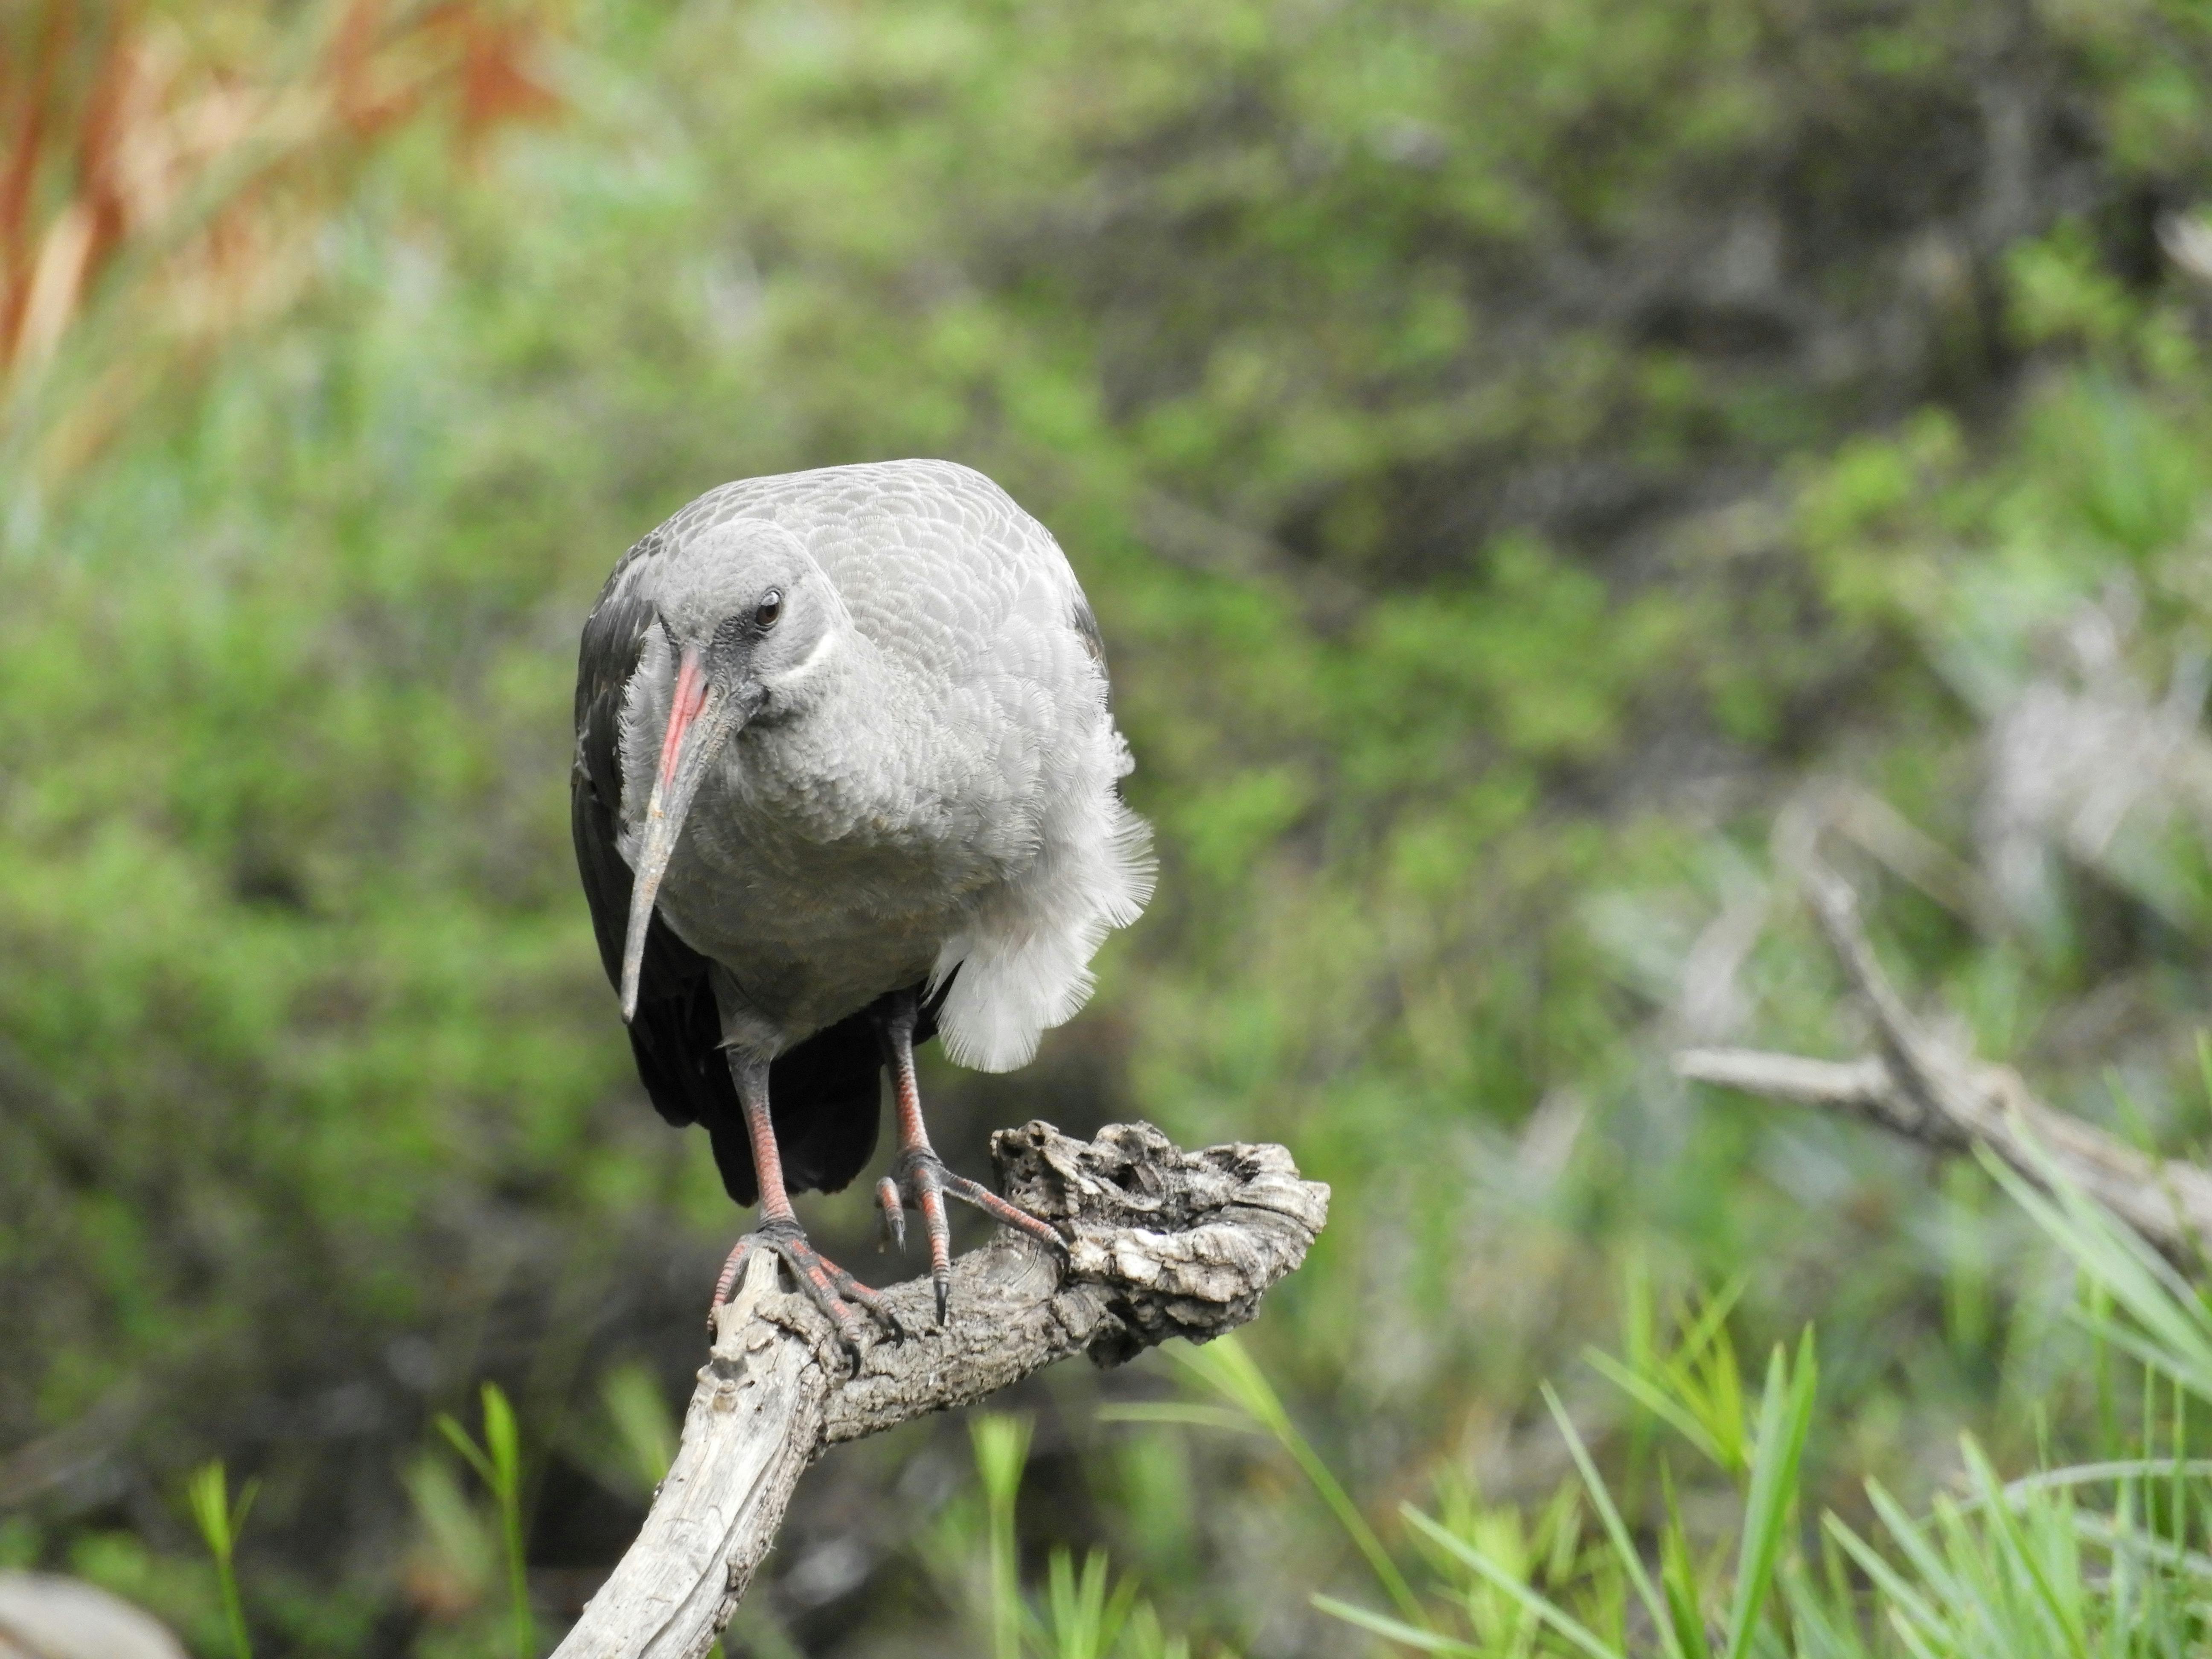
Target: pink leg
{"type": "Point", "coordinates": [920, 1177]}
{"type": "Point", "coordinates": [826, 1283]}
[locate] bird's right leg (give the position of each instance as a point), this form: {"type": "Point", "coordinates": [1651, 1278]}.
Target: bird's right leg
{"type": "Point", "coordinates": [826, 1283]}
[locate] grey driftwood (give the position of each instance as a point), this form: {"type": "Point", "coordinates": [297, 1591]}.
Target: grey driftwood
{"type": "Point", "coordinates": [46, 1616]}
{"type": "Point", "coordinates": [1918, 1087]}
{"type": "Point", "coordinates": [1163, 1242]}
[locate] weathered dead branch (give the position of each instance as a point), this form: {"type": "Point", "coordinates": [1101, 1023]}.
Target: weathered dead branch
{"type": "Point", "coordinates": [1163, 1242]}
{"type": "Point", "coordinates": [1918, 1088]}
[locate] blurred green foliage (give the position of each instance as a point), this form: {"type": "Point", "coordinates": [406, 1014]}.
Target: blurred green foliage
{"type": "Point", "coordinates": [1519, 453]}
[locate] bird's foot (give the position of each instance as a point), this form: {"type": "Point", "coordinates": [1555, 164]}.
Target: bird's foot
{"type": "Point", "coordinates": [821, 1280]}
{"type": "Point", "coordinates": [920, 1179]}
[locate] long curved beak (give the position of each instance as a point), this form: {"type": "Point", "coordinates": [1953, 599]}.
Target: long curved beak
{"type": "Point", "coordinates": [700, 719]}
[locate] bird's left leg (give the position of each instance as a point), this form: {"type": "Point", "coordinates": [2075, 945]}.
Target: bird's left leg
{"type": "Point", "coordinates": [918, 1176]}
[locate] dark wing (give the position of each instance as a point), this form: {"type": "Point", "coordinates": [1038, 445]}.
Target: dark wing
{"type": "Point", "coordinates": [824, 1094]}
{"type": "Point", "coordinates": [677, 1033]}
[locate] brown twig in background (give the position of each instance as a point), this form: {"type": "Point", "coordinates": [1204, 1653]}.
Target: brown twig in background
{"type": "Point", "coordinates": [193, 166]}
{"type": "Point", "coordinates": [1917, 1088]}
{"type": "Point", "coordinates": [1163, 1242]}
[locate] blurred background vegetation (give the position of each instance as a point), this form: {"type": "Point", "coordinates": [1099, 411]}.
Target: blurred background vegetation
{"type": "Point", "coordinates": [1529, 458]}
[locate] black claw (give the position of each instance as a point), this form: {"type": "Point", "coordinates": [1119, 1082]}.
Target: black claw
{"type": "Point", "coordinates": [943, 1295]}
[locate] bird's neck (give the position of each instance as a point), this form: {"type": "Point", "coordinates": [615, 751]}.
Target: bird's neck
{"type": "Point", "coordinates": [853, 692]}
{"type": "Point", "coordinates": [835, 743]}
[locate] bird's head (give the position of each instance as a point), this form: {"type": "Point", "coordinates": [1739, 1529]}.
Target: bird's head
{"type": "Point", "coordinates": [745, 623]}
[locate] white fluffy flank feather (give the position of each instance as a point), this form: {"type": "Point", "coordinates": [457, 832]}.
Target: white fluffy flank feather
{"type": "Point", "coordinates": [1025, 960]}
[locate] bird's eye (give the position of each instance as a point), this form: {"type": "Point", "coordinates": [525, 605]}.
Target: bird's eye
{"type": "Point", "coordinates": [770, 607]}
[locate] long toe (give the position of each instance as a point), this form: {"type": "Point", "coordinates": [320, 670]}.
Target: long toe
{"type": "Point", "coordinates": [728, 1280]}
{"type": "Point", "coordinates": [921, 1180]}
{"type": "Point", "coordinates": [849, 1290]}
{"type": "Point", "coordinates": [821, 1280]}
{"type": "Point", "coordinates": [939, 1225]}
{"type": "Point", "coordinates": [892, 1211]}
{"type": "Point", "coordinates": [1003, 1212]}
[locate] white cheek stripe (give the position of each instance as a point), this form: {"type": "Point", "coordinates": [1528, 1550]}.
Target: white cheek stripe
{"type": "Point", "coordinates": [824, 648]}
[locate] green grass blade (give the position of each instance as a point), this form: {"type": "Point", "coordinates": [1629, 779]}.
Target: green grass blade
{"type": "Point", "coordinates": [1396, 1630]}
{"type": "Point", "coordinates": [1624, 1545]}
{"type": "Point", "coordinates": [2165, 1304]}
{"type": "Point", "coordinates": [1904, 1601]}
{"type": "Point", "coordinates": [2062, 1615]}
{"type": "Point", "coordinates": [1225, 1418]}
{"type": "Point", "coordinates": [503, 1441]}
{"type": "Point", "coordinates": [1914, 1643]}
{"type": "Point", "coordinates": [220, 1522]}
{"type": "Point", "coordinates": [646, 1435]}
{"type": "Point", "coordinates": [1655, 1400]}
{"type": "Point", "coordinates": [2144, 1546]}
{"type": "Point", "coordinates": [1785, 1417]}
{"type": "Point", "coordinates": [502, 1450]}
{"type": "Point", "coordinates": [207, 1492]}
{"type": "Point", "coordinates": [1001, 1442]}
{"type": "Point", "coordinates": [463, 1443]}
{"type": "Point", "coordinates": [2091, 1474]}
{"type": "Point", "coordinates": [1223, 1366]}
{"type": "Point", "coordinates": [1819, 1636]}
{"type": "Point", "coordinates": [1541, 1607]}
{"type": "Point", "coordinates": [1678, 1577]}
{"type": "Point", "coordinates": [2143, 1350]}
{"type": "Point", "coordinates": [1700, 1336]}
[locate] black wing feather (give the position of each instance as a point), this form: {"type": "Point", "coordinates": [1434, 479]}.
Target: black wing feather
{"type": "Point", "coordinates": [825, 1094]}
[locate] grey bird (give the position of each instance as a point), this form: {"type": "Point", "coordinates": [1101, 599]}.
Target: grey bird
{"type": "Point", "coordinates": [846, 778]}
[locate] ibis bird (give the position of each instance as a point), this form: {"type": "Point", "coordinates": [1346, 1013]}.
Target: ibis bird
{"type": "Point", "coordinates": [846, 778]}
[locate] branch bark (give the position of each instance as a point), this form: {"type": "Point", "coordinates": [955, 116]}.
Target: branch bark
{"type": "Point", "coordinates": [1163, 1242]}
{"type": "Point", "coordinates": [1917, 1088]}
